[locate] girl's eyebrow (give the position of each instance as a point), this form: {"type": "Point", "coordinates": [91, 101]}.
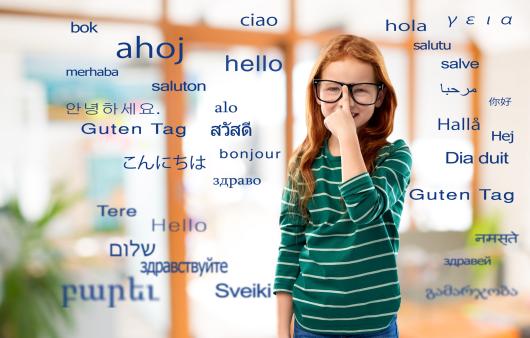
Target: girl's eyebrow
{"type": "Point", "coordinates": [349, 83]}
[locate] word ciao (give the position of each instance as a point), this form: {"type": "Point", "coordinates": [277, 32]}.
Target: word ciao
{"type": "Point", "coordinates": [258, 21]}
{"type": "Point", "coordinates": [109, 293]}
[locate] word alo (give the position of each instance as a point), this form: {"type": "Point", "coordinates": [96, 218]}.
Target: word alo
{"type": "Point", "coordinates": [108, 293]}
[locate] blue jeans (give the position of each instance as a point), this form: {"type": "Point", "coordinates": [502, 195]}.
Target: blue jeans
{"type": "Point", "coordinates": [390, 332]}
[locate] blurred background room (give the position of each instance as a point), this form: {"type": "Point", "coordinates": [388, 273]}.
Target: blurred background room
{"type": "Point", "coordinates": [52, 175]}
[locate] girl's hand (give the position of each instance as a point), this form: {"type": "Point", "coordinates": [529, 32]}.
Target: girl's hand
{"type": "Point", "coordinates": [341, 122]}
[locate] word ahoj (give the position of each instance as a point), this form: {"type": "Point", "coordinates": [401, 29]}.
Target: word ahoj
{"type": "Point", "coordinates": [127, 51]}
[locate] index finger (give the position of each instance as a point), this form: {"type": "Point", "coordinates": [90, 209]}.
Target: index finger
{"type": "Point", "coordinates": [345, 99]}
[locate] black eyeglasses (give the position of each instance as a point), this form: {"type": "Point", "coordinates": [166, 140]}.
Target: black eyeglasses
{"type": "Point", "coordinates": [330, 91]}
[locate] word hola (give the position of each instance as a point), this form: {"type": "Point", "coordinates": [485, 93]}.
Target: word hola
{"type": "Point", "coordinates": [405, 26]}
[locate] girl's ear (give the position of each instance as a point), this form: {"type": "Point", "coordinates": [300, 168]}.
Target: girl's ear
{"type": "Point", "coordinates": [380, 98]}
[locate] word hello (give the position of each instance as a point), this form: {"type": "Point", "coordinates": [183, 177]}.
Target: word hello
{"type": "Point", "coordinates": [260, 64]}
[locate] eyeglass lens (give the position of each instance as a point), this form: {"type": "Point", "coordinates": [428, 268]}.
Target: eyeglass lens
{"type": "Point", "coordinates": [363, 93]}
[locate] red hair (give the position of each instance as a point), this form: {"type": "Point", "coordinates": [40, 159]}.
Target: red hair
{"type": "Point", "coordinates": [372, 136]}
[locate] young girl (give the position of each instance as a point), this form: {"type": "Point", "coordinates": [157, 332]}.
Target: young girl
{"type": "Point", "coordinates": [342, 203]}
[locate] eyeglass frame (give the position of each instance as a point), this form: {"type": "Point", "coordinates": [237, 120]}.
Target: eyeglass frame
{"type": "Point", "coordinates": [380, 86]}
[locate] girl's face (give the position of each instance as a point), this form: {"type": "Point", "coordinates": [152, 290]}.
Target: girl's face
{"type": "Point", "coordinates": [351, 70]}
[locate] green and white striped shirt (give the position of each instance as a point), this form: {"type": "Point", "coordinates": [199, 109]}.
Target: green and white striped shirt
{"type": "Point", "coordinates": [340, 265]}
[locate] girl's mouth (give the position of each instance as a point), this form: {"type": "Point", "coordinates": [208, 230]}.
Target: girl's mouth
{"type": "Point", "coordinates": [354, 114]}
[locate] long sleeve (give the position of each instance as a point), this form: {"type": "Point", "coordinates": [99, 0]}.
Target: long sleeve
{"type": "Point", "coordinates": [368, 197]}
{"type": "Point", "coordinates": [292, 227]}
